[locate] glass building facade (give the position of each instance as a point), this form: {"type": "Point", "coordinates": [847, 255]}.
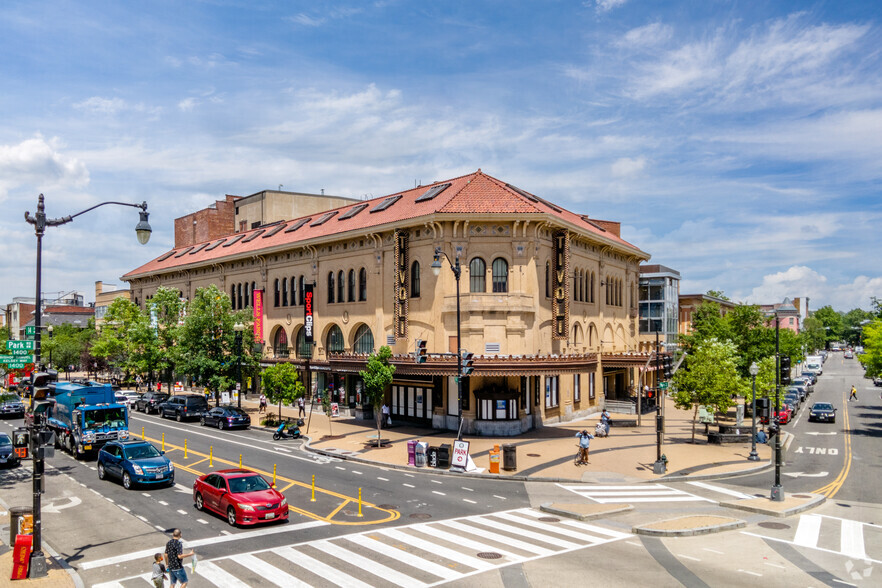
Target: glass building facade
{"type": "Point", "coordinates": [659, 302]}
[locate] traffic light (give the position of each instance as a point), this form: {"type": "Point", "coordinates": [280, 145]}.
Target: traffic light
{"type": "Point", "coordinates": [668, 366]}
{"type": "Point", "coordinates": [468, 363]}
{"type": "Point", "coordinates": [422, 354]}
{"type": "Point", "coordinates": [785, 370]}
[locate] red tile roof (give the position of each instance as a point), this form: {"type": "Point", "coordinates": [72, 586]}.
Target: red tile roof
{"type": "Point", "coordinates": [68, 310]}
{"type": "Point", "coordinates": [475, 193]}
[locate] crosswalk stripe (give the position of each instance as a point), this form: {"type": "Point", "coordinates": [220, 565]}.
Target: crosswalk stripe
{"type": "Point", "coordinates": [404, 557]}
{"type": "Point", "coordinates": [549, 528]}
{"type": "Point", "coordinates": [218, 576]}
{"type": "Point", "coordinates": [329, 573]}
{"type": "Point", "coordinates": [434, 531]}
{"type": "Point", "coordinates": [644, 493]}
{"type": "Point", "coordinates": [578, 525]}
{"type": "Point", "coordinates": [523, 546]}
{"type": "Point", "coordinates": [429, 547]}
{"type": "Point", "coordinates": [720, 489]}
{"type": "Point", "coordinates": [108, 585]}
{"type": "Point", "coordinates": [270, 572]}
{"type": "Point", "coordinates": [530, 534]}
{"type": "Point", "coordinates": [852, 539]}
{"type": "Point", "coordinates": [368, 565]}
{"type": "Point", "coordinates": [808, 530]}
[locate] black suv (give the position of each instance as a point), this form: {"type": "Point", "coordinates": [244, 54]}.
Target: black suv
{"type": "Point", "coordinates": [150, 401]}
{"type": "Point", "coordinates": [185, 406]}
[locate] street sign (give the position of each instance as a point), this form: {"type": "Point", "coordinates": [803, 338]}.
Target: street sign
{"type": "Point", "coordinates": [19, 345]}
{"type": "Point", "coordinates": [30, 331]}
{"type": "Point", "coordinates": [16, 366]}
{"type": "Point", "coordinates": [21, 351]}
{"type": "Point", "coordinates": [8, 358]}
{"type": "Point", "coordinates": [662, 385]}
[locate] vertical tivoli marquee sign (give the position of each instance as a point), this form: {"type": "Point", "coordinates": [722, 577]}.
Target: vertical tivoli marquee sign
{"type": "Point", "coordinates": [258, 316]}
{"type": "Point", "coordinates": [401, 285]}
{"type": "Point", "coordinates": [560, 303]}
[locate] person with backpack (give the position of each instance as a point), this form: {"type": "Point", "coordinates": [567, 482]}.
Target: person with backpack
{"type": "Point", "coordinates": [262, 406]}
{"type": "Point", "coordinates": [584, 443]}
{"type": "Point", "coordinates": [605, 420]}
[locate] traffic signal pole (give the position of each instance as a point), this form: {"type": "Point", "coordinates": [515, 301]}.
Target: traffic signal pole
{"type": "Point", "coordinates": [777, 492]}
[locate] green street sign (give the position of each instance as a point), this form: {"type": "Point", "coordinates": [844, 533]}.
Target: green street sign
{"type": "Point", "coordinates": [12, 345]}
{"type": "Point", "coordinates": [7, 358]}
{"type": "Point", "coordinates": [21, 351]}
{"type": "Point", "coordinates": [16, 358]}
{"type": "Point", "coordinates": [662, 385]}
{"type": "Point", "coordinates": [30, 331]}
{"type": "Point", "coordinates": [16, 366]}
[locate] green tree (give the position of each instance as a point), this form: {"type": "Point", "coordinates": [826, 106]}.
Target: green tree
{"type": "Point", "coordinates": [814, 335]}
{"type": "Point", "coordinates": [707, 323]}
{"type": "Point", "coordinates": [166, 312]}
{"type": "Point", "coordinates": [717, 294]}
{"type": "Point", "coordinates": [377, 376]}
{"type": "Point", "coordinates": [832, 322]}
{"type": "Point", "coordinates": [710, 378]}
{"type": "Point", "coordinates": [745, 325]}
{"type": "Point", "coordinates": [120, 340]}
{"type": "Point", "coordinates": [871, 358]}
{"type": "Point", "coordinates": [282, 385]}
{"type": "Point", "coordinates": [852, 325]}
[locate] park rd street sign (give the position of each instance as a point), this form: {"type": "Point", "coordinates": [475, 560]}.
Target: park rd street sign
{"type": "Point", "coordinates": [13, 345]}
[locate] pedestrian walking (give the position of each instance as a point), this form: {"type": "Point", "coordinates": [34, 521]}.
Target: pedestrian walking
{"type": "Point", "coordinates": [584, 443]}
{"type": "Point", "coordinates": [853, 394]}
{"type": "Point", "coordinates": [605, 420]}
{"type": "Point", "coordinates": [174, 553]}
{"type": "Point", "coordinates": [138, 383]}
{"type": "Point", "coordinates": [387, 420]}
{"type": "Point", "coordinates": [301, 407]}
{"type": "Point", "coordinates": [158, 576]}
{"type": "Point", "coordinates": [262, 406]}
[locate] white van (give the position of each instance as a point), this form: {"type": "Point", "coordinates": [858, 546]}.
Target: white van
{"type": "Point", "coordinates": [814, 365]}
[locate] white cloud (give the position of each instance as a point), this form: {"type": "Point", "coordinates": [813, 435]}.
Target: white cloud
{"type": "Point", "coordinates": [626, 166]}
{"type": "Point", "coordinates": [100, 105]}
{"type": "Point", "coordinates": [801, 280]}
{"type": "Point", "coordinates": [646, 36]}
{"type": "Point", "coordinates": [187, 104]}
{"type": "Point", "coordinates": [306, 20]}
{"type": "Point", "coordinates": [39, 164]}
{"type": "Point", "coordinates": [607, 5]}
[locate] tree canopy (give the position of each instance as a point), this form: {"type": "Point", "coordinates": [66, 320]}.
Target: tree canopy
{"type": "Point", "coordinates": [377, 376]}
{"type": "Point", "coordinates": [282, 385]}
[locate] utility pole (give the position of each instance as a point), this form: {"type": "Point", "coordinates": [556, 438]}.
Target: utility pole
{"type": "Point", "coordinates": [777, 492]}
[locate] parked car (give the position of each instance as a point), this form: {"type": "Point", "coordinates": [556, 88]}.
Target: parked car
{"type": "Point", "coordinates": [8, 457]}
{"type": "Point", "coordinates": [801, 390]}
{"type": "Point", "coordinates": [811, 375]}
{"type": "Point", "coordinates": [783, 415]}
{"type": "Point", "coordinates": [822, 411]}
{"type": "Point", "coordinates": [11, 405]}
{"type": "Point", "coordinates": [135, 462]}
{"type": "Point", "coordinates": [149, 402]}
{"type": "Point", "coordinates": [806, 383]}
{"type": "Point", "coordinates": [792, 398]}
{"type": "Point", "coordinates": [225, 417]}
{"type": "Point", "coordinates": [243, 496]}
{"type": "Point", "coordinates": [185, 406]}
{"type": "Point", "coordinates": [877, 381]}
{"type": "Point", "coordinates": [848, 354]}
{"type": "Point", "coordinates": [123, 399]}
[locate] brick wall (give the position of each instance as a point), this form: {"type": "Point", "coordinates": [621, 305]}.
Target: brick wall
{"type": "Point", "coordinates": [206, 224]}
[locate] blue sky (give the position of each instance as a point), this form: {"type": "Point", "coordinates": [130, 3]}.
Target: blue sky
{"type": "Point", "coordinates": [738, 142]}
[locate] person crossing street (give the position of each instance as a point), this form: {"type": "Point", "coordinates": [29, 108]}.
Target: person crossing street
{"type": "Point", "coordinates": [853, 395]}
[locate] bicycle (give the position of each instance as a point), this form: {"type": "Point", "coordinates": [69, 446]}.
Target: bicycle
{"type": "Point", "coordinates": [578, 459]}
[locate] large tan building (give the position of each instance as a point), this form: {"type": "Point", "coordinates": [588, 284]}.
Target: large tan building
{"type": "Point", "coordinates": [548, 300]}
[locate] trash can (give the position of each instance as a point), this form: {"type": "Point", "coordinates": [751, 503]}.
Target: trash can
{"type": "Point", "coordinates": [432, 457]}
{"type": "Point", "coordinates": [444, 456]}
{"type": "Point", "coordinates": [411, 452]}
{"type": "Point", "coordinates": [420, 454]}
{"type": "Point", "coordinates": [509, 457]}
{"type": "Point", "coordinates": [21, 522]}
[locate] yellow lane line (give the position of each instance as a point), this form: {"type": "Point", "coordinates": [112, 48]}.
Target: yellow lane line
{"type": "Point", "coordinates": [338, 509]}
{"type": "Point", "coordinates": [831, 489]}
{"type": "Point", "coordinates": [195, 463]}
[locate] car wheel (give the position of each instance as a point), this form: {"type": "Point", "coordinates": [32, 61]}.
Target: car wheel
{"type": "Point", "coordinates": [231, 516]}
{"type": "Point", "coordinates": [178, 417]}
{"type": "Point", "coordinates": [127, 481]}
{"type": "Point", "coordinates": [220, 425]}
{"type": "Point", "coordinates": [199, 503]}
{"type": "Point", "coordinates": [202, 421]}
{"type": "Point", "coordinates": [101, 473]}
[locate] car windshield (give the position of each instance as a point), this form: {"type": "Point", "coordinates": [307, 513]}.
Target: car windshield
{"type": "Point", "coordinates": [105, 417]}
{"type": "Point", "coordinates": [823, 407]}
{"type": "Point", "coordinates": [141, 452]}
{"type": "Point", "coordinates": [247, 484]}
{"type": "Point", "coordinates": [4, 440]}
{"type": "Point", "coordinates": [9, 398]}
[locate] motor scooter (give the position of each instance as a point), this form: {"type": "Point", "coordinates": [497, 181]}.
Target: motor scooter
{"type": "Point", "coordinates": [288, 431]}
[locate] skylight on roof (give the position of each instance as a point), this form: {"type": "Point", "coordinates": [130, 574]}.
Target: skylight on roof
{"type": "Point", "coordinates": [298, 224]}
{"type": "Point", "coordinates": [166, 255]}
{"type": "Point", "coordinates": [386, 203]}
{"type": "Point", "coordinates": [213, 246]}
{"type": "Point", "coordinates": [254, 235]}
{"type": "Point", "coordinates": [200, 248]}
{"type": "Point", "coordinates": [184, 252]}
{"type": "Point", "coordinates": [353, 211]}
{"type": "Point", "coordinates": [432, 192]}
{"type": "Point", "coordinates": [275, 230]}
{"type": "Point", "coordinates": [523, 193]}
{"type": "Point", "coordinates": [324, 218]}
{"type": "Point", "coordinates": [235, 239]}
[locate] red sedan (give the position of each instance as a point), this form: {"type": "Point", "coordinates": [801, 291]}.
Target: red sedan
{"type": "Point", "coordinates": [784, 415]}
{"type": "Point", "coordinates": [243, 496]}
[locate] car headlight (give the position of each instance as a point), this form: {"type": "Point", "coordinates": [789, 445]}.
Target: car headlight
{"type": "Point", "coordinates": [123, 434]}
{"type": "Point", "coordinates": [137, 469]}
{"type": "Point", "coordinates": [171, 467]}
{"type": "Point", "coordinates": [284, 502]}
{"type": "Point", "coordinates": [246, 507]}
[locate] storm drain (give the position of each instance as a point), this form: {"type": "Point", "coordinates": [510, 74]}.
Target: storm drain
{"type": "Point", "coordinates": [774, 525]}
{"type": "Point", "coordinates": [489, 555]}
{"type": "Point", "coordinates": [420, 515]}
{"type": "Point", "coordinates": [387, 506]}
{"type": "Point", "coordinates": [549, 519]}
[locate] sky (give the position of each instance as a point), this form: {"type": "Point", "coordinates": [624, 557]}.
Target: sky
{"type": "Point", "coordinates": [738, 142]}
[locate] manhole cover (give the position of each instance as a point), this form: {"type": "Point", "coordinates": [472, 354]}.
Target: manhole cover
{"type": "Point", "coordinates": [843, 505]}
{"type": "Point", "coordinates": [420, 515]}
{"type": "Point", "coordinates": [774, 526]}
{"type": "Point", "coordinates": [533, 455]}
{"type": "Point", "coordinates": [489, 555]}
{"type": "Point", "coordinates": [387, 506]}
{"type": "Point", "coordinates": [549, 519]}
{"type": "Point", "coordinates": [801, 496]}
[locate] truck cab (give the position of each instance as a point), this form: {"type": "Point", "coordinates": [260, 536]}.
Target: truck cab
{"type": "Point", "coordinates": [86, 416]}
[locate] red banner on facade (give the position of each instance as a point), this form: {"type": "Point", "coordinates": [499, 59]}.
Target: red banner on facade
{"type": "Point", "coordinates": [258, 316]}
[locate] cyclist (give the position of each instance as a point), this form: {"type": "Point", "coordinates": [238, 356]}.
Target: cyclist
{"type": "Point", "coordinates": [584, 442]}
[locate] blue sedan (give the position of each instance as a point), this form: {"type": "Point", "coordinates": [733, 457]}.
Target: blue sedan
{"type": "Point", "coordinates": [135, 462]}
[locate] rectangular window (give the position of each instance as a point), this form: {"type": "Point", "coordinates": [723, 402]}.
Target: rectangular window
{"type": "Point", "coordinates": [386, 203]}
{"type": "Point", "coordinates": [552, 399]}
{"type": "Point", "coordinates": [432, 192]}
{"type": "Point", "coordinates": [591, 386]}
{"type": "Point", "coordinates": [577, 387]}
{"type": "Point", "coordinates": [353, 211]}
{"type": "Point", "coordinates": [298, 224]}
{"type": "Point", "coordinates": [324, 218]}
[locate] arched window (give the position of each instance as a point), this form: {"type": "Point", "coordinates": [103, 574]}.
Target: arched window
{"type": "Point", "coordinates": [362, 285]}
{"type": "Point", "coordinates": [284, 291]}
{"type": "Point", "coordinates": [415, 280]}
{"type": "Point", "coordinates": [239, 296]}
{"type": "Point", "coordinates": [341, 286]}
{"type": "Point", "coordinates": [331, 288]}
{"type": "Point", "coordinates": [548, 279]}
{"type": "Point", "coordinates": [293, 290]}
{"type": "Point", "coordinates": [280, 343]}
{"type": "Point", "coordinates": [233, 296]}
{"type": "Point", "coordinates": [276, 293]}
{"type": "Point", "coordinates": [500, 275]}
{"type": "Point", "coordinates": [477, 275]}
{"type": "Point", "coordinates": [591, 287]}
{"type": "Point", "coordinates": [334, 343]}
{"type": "Point", "coordinates": [304, 351]}
{"type": "Point", "coordinates": [350, 286]}
{"type": "Point", "coordinates": [300, 290]}
{"type": "Point", "coordinates": [364, 340]}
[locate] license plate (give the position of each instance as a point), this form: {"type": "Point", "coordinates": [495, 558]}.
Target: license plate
{"type": "Point", "coordinates": [3, 460]}
{"type": "Point", "coordinates": [87, 447]}
{"type": "Point", "coordinates": [157, 476]}
{"type": "Point", "coordinates": [271, 515]}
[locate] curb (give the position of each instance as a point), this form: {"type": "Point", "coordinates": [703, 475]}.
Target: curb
{"type": "Point", "coordinates": [550, 509]}
{"type": "Point", "coordinates": [689, 532]}
{"type": "Point", "coordinates": [817, 500]}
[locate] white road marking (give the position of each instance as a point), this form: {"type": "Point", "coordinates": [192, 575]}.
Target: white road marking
{"type": "Point", "coordinates": [409, 475]}
{"type": "Point", "coordinates": [183, 512]}
{"type": "Point", "coordinates": [202, 521]}
{"type": "Point", "coordinates": [340, 468]}
{"type": "Point", "coordinates": [403, 556]}
{"type": "Point", "coordinates": [409, 485]}
{"type": "Point", "coordinates": [688, 557]}
{"type": "Point", "coordinates": [774, 565]}
{"type": "Point", "coordinates": [852, 539]}
{"type": "Point", "coordinates": [320, 568]}
{"type": "Point", "coordinates": [440, 493]}
{"type": "Point", "coordinates": [436, 482]}
{"type": "Point", "coordinates": [218, 576]}
{"type": "Point", "coordinates": [108, 499]}
{"type": "Point", "coordinates": [727, 491]}
{"type": "Point", "coordinates": [270, 572]}
{"type": "Point", "coordinates": [384, 479]}
{"type": "Point", "coordinates": [226, 533]}
{"type": "Point", "coordinates": [841, 582]}
{"type": "Point", "coordinates": [158, 528]}
{"type": "Point", "coordinates": [163, 503]}
{"type": "Point", "coordinates": [470, 501]}
{"type": "Point", "coordinates": [282, 449]}
{"type": "Point", "coordinates": [357, 473]}
{"type": "Point", "coordinates": [369, 565]}
{"type": "Point", "coordinates": [469, 489]}
{"type": "Point", "coordinates": [145, 494]}
{"type": "Point", "coordinates": [499, 497]}
{"type": "Point", "coordinates": [808, 531]}
{"type": "Point", "coordinates": [713, 550]}
{"type": "Point", "coordinates": [125, 508]}
{"type": "Point", "coordinates": [749, 572]}
{"type": "Point", "coordinates": [142, 518]}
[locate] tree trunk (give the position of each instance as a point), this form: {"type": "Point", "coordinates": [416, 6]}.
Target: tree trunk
{"type": "Point", "coordinates": [694, 418]}
{"type": "Point", "coordinates": [280, 410]}
{"type": "Point", "coordinates": [379, 418]}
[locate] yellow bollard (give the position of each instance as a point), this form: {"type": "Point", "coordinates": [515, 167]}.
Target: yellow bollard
{"type": "Point", "coordinates": [313, 489]}
{"type": "Point", "coordinates": [211, 456]}
{"type": "Point", "coordinates": [240, 461]}
{"type": "Point", "coordinates": [185, 449]}
{"type": "Point", "coordinates": [274, 474]}
{"type": "Point", "coordinates": [163, 441]}
{"type": "Point", "coordinates": [359, 503]}
{"type": "Point", "coordinates": [142, 433]}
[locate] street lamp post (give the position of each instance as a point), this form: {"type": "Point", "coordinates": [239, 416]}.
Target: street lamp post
{"type": "Point", "coordinates": [754, 456]}
{"type": "Point", "coordinates": [239, 327]}
{"type": "Point", "coordinates": [777, 494]}
{"type": "Point", "coordinates": [37, 565]}
{"type": "Point", "coordinates": [457, 272]}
